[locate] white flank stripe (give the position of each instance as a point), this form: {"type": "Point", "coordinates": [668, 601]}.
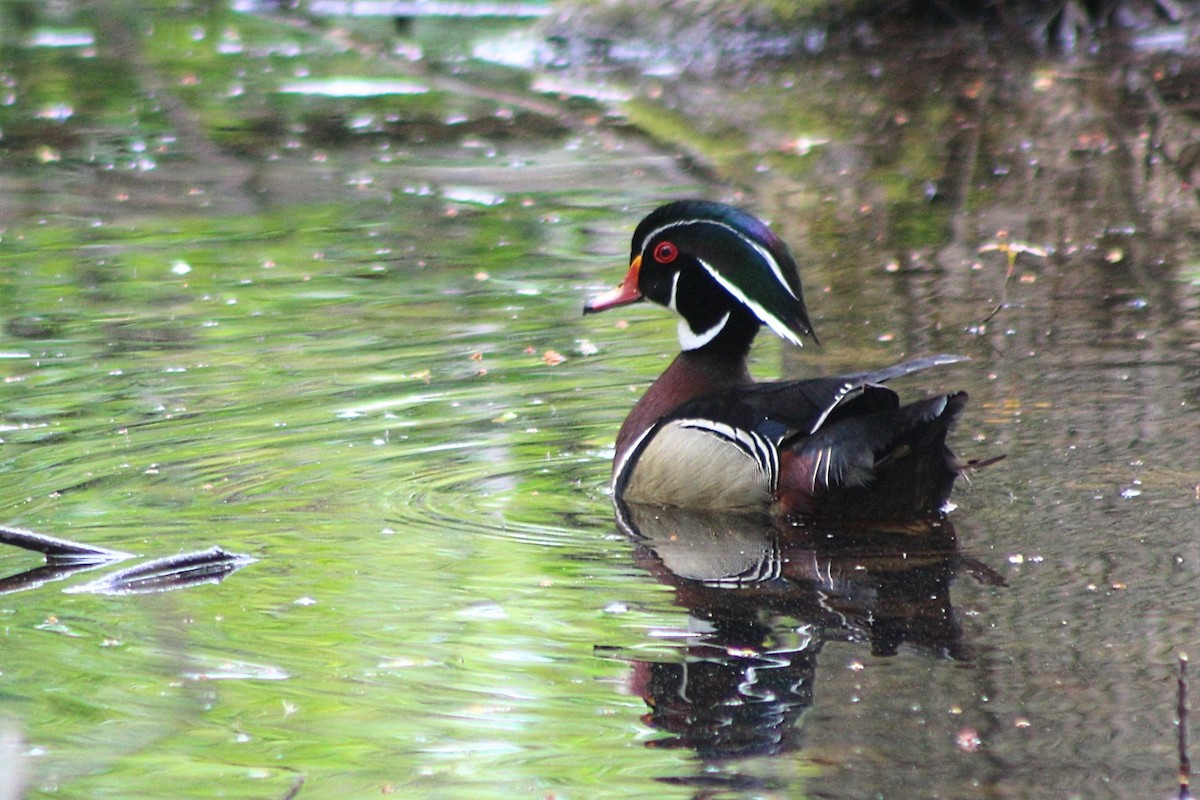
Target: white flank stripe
{"type": "Point", "coordinates": [623, 464]}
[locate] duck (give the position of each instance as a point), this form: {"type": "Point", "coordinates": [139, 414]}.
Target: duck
{"type": "Point", "coordinates": [707, 436]}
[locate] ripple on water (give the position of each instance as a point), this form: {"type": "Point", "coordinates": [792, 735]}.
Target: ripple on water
{"type": "Point", "coordinates": [505, 498]}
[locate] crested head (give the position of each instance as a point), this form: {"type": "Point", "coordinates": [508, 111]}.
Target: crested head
{"type": "Point", "coordinates": [710, 263]}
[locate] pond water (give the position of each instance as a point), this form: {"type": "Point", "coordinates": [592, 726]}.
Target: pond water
{"type": "Point", "coordinates": [310, 291]}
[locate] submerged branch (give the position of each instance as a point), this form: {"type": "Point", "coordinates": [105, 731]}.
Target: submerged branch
{"type": "Point", "coordinates": [65, 558]}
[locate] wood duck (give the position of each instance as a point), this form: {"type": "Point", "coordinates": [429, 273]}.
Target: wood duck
{"type": "Point", "coordinates": [706, 436]}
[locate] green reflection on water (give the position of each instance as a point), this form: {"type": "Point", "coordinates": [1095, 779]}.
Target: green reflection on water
{"type": "Point", "coordinates": [364, 404]}
{"type": "Point", "coordinates": [320, 330]}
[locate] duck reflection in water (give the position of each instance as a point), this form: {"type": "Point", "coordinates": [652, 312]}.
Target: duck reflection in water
{"type": "Point", "coordinates": [763, 595]}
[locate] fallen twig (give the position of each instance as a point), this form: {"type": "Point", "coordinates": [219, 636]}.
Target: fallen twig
{"type": "Point", "coordinates": [165, 574]}
{"type": "Point", "coordinates": [1181, 711]}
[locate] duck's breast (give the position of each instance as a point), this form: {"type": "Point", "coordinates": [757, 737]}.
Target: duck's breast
{"type": "Point", "coordinates": [694, 463]}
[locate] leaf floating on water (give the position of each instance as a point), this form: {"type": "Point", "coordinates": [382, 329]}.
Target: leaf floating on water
{"type": "Point", "coordinates": [1011, 249]}
{"type": "Point", "coordinates": [167, 574]}
{"type": "Point", "coordinates": [968, 740]}
{"type": "Point", "coordinates": [54, 626]}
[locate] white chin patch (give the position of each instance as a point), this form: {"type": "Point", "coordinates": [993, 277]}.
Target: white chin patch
{"type": "Point", "coordinates": [691, 340]}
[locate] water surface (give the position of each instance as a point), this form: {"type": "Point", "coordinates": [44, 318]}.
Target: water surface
{"type": "Point", "coordinates": [267, 288]}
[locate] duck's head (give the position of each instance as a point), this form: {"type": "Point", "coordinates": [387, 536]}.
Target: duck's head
{"type": "Point", "coordinates": [721, 269]}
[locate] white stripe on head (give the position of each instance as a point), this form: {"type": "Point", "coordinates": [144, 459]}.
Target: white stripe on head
{"type": "Point", "coordinates": [671, 304]}
{"type": "Point", "coordinates": [692, 340]}
{"type": "Point", "coordinates": [762, 251]}
{"type": "Point", "coordinates": [772, 321]}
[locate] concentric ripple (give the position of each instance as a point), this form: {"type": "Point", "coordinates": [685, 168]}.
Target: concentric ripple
{"type": "Point", "coordinates": [521, 500]}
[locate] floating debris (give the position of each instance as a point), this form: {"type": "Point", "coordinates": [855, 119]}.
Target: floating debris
{"type": "Point", "coordinates": [33, 578]}
{"type": "Point", "coordinates": [13, 772]}
{"type": "Point", "coordinates": [60, 551]}
{"type": "Point", "coordinates": [51, 37]}
{"type": "Point", "coordinates": [474, 196]}
{"type": "Point", "coordinates": [65, 558]}
{"type": "Point", "coordinates": [353, 87]}
{"type": "Point", "coordinates": [1183, 734]}
{"type": "Point", "coordinates": [226, 670]}
{"type": "Point", "coordinates": [425, 8]}
{"type": "Point", "coordinates": [167, 574]}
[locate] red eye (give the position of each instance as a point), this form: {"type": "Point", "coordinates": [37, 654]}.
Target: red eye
{"type": "Point", "coordinates": [665, 252]}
